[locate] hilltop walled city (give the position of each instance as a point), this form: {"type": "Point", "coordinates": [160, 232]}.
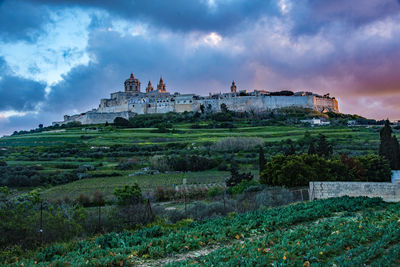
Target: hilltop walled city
{"type": "Point", "coordinates": [157, 100]}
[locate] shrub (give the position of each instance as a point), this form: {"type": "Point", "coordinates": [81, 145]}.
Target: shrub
{"type": "Point", "coordinates": [98, 198]}
{"type": "Point", "coordinates": [129, 164]}
{"type": "Point", "coordinates": [242, 186]}
{"type": "Point", "coordinates": [215, 191]}
{"type": "Point", "coordinates": [182, 163]}
{"type": "Point", "coordinates": [375, 168]}
{"type": "Point", "coordinates": [121, 122]}
{"type": "Point", "coordinates": [275, 196]}
{"type": "Point", "coordinates": [299, 170]}
{"type": "Point", "coordinates": [128, 195]}
{"type": "Point", "coordinates": [164, 193]}
{"type": "Point", "coordinates": [83, 200]}
{"type": "Point", "coordinates": [223, 166]}
{"type": "Point", "coordinates": [159, 163]}
{"type": "Point", "coordinates": [236, 177]}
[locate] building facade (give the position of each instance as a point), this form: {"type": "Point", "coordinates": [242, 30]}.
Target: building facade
{"type": "Point", "coordinates": [132, 101]}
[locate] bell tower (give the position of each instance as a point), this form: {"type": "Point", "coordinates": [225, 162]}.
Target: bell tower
{"type": "Point", "coordinates": [149, 87]}
{"type": "Point", "coordinates": [132, 84]}
{"type": "Point", "coordinates": [161, 87]}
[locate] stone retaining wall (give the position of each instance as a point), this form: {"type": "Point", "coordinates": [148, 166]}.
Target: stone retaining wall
{"type": "Point", "coordinates": [387, 191]}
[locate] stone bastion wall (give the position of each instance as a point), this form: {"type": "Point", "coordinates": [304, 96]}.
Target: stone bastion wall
{"type": "Point", "coordinates": [387, 191]}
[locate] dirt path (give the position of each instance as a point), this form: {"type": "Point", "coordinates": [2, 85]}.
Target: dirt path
{"type": "Point", "coordinates": [180, 257]}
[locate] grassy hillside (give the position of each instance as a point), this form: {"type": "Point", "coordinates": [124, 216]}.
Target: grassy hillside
{"type": "Point", "coordinates": [116, 153]}
{"type": "Point", "coordinates": [342, 231]}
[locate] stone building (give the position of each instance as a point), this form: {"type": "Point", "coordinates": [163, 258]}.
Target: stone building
{"type": "Point", "coordinates": [132, 101]}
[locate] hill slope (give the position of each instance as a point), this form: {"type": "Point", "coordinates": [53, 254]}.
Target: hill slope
{"type": "Point", "coordinates": [350, 231]}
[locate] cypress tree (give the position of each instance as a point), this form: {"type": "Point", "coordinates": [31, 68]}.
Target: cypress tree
{"type": "Point", "coordinates": [396, 155]}
{"type": "Point", "coordinates": [261, 159]}
{"type": "Point", "coordinates": [389, 146]}
{"type": "Point", "coordinates": [311, 149]}
{"type": "Point", "coordinates": [323, 147]}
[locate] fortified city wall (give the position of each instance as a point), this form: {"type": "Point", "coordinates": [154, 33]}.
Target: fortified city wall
{"type": "Point", "coordinates": [132, 101]}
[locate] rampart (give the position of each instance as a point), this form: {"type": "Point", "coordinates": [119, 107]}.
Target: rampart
{"type": "Point", "coordinates": [387, 191]}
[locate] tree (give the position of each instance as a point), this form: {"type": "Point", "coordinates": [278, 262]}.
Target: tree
{"type": "Point", "coordinates": [389, 146]}
{"type": "Point", "coordinates": [261, 159]}
{"type": "Point", "coordinates": [119, 121]}
{"type": "Point", "coordinates": [311, 149]}
{"type": "Point", "coordinates": [289, 150]}
{"type": "Point", "coordinates": [236, 177]}
{"type": "Point", "coordinates": [323, 147]}
{"type": "Point", "coordinates": [40, 126]}
{"type": "Point", "coordinates": [202, 108]}
{"type": "Point", "coordinates": [98, 198]}
{"type": "Point", "coordinates": [224, 108]}
{"type": "Point", "coordinates": [129, 195]}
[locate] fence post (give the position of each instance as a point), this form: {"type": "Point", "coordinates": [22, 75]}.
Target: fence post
{"type": "Point", "coordinates": [41, 223]}
{"type": "Point", "coordinates": [224, 199]}
{"type": "Point", "coordinates": [99, 222]}
{"type": "Point", "coordinates": [184, 194]}
{"type": "Point", "coordinates": [149, 209]}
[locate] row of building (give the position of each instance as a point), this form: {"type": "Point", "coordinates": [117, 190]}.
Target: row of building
{"type": "Point", "coordinates": [132, 101]}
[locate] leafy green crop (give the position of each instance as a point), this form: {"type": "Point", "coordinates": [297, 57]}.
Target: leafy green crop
{"type": "Point", "coordinates": [332, 231]}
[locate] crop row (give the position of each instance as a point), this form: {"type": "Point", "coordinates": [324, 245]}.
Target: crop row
{"type": "Point", "coordinates": [128, 248]}
{"type": "Point", "coordinates": [352, 239]}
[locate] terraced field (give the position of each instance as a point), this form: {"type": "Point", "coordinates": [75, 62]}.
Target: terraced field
{"type": "Point", "coordinates": [105, 148]}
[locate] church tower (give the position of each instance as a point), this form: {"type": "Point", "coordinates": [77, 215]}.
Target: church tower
{"type": "Point", "coordinates": [233, 87]}
{"type": "Point", "coordinates": [132, 84]}
{"type": "Point", "coordinates": [149, 87]}
{"type": "Point", "coordinates": [161, 87]}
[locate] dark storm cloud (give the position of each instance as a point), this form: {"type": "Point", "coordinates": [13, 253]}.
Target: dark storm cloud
{"type": "Point", "coordinates": [17, 93]}
{"type": "Point", "coordinates": [311, 16]}
{"type": "Point", "coordinates": [21, 20]}
{"type": "Point", "coordinates": [182, 15]}
{"type": "Point", "coordinates": [148, 59]}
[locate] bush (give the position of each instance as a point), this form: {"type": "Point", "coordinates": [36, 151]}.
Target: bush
{"type": "Point", "coordinates": [121, 122]}
{"type": "Point", "coordinates": [128, 195]}
{"type": "Point", "coordinates": [182, 163]}
{"type": "Point", "coordinates": [299, 170]}
{"type": "Point", "coordinates": [83, 200]}
{"type": "Point", "coordinates": [242, 186]}
{"type": "Point", "coordinates": [159, 163]}
{"type": "Point", "coordinates": [275, 196]}
{"type": "Point", "coordinates": [375, 168]}
{"type": "Point", "coordinates": [98, 198]}
{"type": "Point", "coordinates": [129, 164]}
{"type": "Point", "coordinates": [236, 177]}
{"type": "Point", "coordinates": [164, 193]}
{"type": "Point", "coordinates": [215, 191]}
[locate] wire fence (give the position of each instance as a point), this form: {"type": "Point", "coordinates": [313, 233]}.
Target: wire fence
{"type": "Point", "coordinates": [35, 224]}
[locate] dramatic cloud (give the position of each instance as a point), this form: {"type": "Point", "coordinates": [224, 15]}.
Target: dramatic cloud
{"type": "Point", "coordinates": [61, 57]}
{"type": "Point", "coordinates": [21, 20]}
{"type": "Point", "coordinates": [17, 93]}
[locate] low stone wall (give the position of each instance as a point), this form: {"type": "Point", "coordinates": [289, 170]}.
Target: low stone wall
{"type": "Point", "coordinates": [387, 191]}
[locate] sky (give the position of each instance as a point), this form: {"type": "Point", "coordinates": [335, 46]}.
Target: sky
{"type": "Point", "coordinates": [62, 57]}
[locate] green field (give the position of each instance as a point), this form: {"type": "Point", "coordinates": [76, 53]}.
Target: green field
{"type": "Point", "coordinates": [145, 136]}
{"type": "Point", "coordinates": [146, 182]}
{"type": "Point", "coordinates": [334, 232]}
{"type": "Point", "coordinates": [107, 147]}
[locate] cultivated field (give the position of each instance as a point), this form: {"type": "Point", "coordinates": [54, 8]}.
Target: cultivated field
{"type": "Point", "coordinates": [342, 232]}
